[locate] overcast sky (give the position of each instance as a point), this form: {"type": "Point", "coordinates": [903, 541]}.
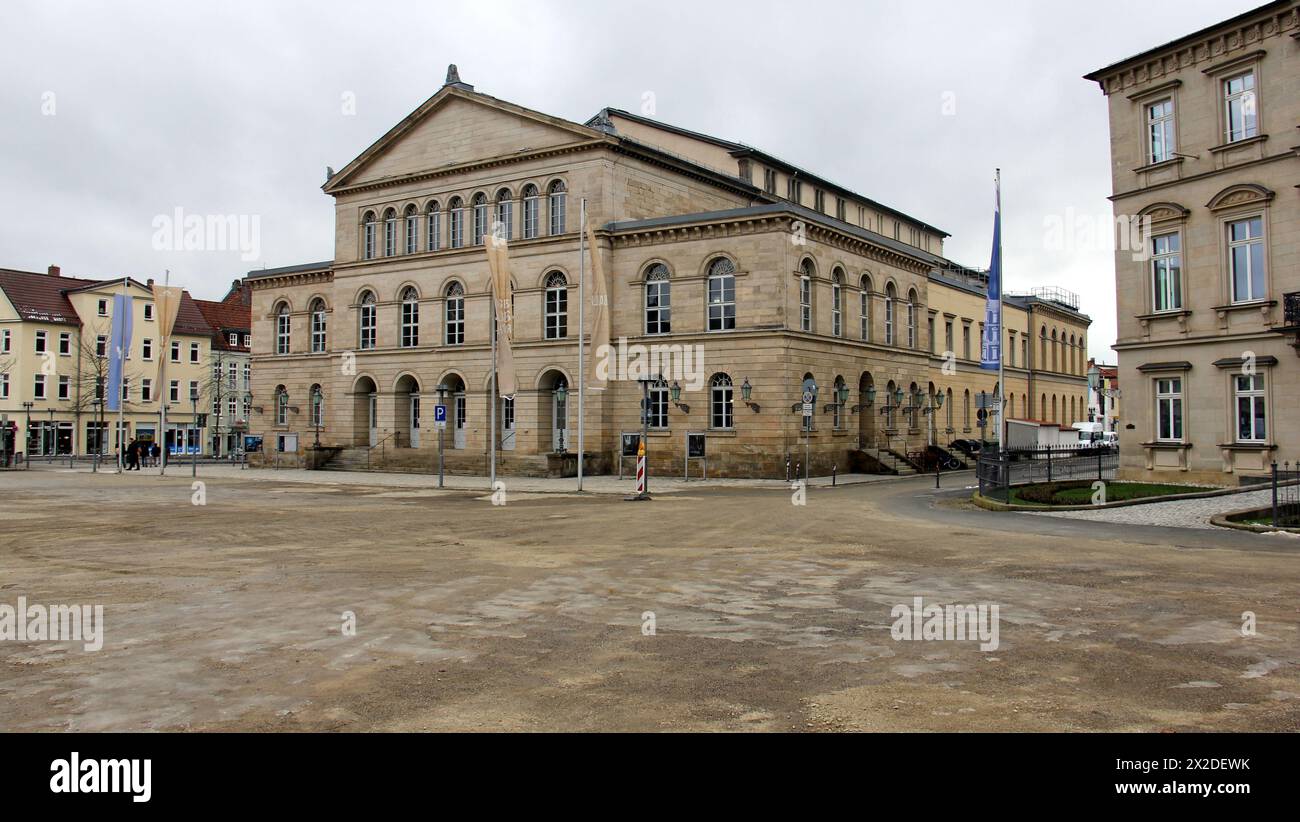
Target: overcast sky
{"type": "Point", "coordinates": [116, 113]}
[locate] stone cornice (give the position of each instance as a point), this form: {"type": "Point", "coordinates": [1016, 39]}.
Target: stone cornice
{"type": "Point", "coordinates": [290, 280]}
{"type": "Point", "coordinates": [1216, 46]}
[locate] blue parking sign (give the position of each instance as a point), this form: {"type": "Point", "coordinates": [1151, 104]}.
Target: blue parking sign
{"type": "Point", "coordinates": [440, 413]}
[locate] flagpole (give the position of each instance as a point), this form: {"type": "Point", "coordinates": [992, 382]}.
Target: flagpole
{"type": "Point", "coordinates": [492, 393]}
{"type": "Point", "coordinates": [1002, 380]}
{"type": "Point", "coordinates": [162, 382]}
{"type": "Point", "coordinates": [582, 329]}
{"type": "Point", "coordinates": [121, 367]}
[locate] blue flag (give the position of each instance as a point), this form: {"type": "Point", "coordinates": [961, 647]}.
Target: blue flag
{"type": "Point", "coordinates": [991, 345]}
{"type": "Point", "coordinates": [118, 345]}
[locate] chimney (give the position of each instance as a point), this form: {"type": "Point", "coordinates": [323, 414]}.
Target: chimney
{"type": "Point", "coordinates": [149, 282]}
{"type": "Point", "coordinates": [53, 271]}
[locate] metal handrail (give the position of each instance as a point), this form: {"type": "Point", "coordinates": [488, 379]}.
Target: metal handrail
{"type": "Point", "coordinates": [381, 446]}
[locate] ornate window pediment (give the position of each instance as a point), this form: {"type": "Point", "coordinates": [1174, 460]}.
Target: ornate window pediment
{"type": "Point", "coordinates": [1242, 194]}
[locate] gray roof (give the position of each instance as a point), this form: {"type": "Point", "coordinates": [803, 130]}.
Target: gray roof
{"type": "Point", "coordinates": [289, 269]}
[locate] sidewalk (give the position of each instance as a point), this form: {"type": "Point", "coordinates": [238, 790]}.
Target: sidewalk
{"type": "Point", "coordinates": [429, 482]}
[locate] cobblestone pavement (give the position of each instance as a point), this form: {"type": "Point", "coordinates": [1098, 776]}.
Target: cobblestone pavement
{"type": "Point", "coordinates": [1187, 513]}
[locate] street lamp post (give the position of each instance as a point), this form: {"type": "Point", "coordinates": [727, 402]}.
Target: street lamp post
{"type": "Point", "coordinates": [27, 437]}
{"type": "Point", "coordinates": [562, 401]}
{"type": "Point", "coordinates": [98, 414]}
{"type": "Point", "coordinates": [53, 446]}
{"type": "Point", "coordinates": [315, 412]}
{"type": "Point", "coordinates": [194, 426]}
{"type": "Point", "coordinates": [443, 388]}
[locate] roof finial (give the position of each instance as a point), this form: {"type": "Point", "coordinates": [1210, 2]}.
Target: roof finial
{"type": "Point", "coordinates": [453, 78]}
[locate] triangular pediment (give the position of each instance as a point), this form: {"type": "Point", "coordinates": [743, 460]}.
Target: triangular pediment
{"type": "Point", "coordinates": [455, 128]}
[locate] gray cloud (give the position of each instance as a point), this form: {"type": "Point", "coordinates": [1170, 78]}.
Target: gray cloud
{"type": "Point", "coordinates": [236, 108]}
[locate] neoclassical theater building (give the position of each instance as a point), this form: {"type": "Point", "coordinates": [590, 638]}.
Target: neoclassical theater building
{"type": "Point", "coordinates": [770, 275]}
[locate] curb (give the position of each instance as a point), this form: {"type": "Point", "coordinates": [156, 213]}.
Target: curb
{"type": "Point", "coordinates": [994, 505]}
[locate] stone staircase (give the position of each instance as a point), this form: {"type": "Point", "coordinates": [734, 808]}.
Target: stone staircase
{"type": "Point", "coordinates": [895, 462]}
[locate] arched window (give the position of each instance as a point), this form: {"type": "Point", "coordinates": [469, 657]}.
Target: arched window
{"type": "Point", "coordinates": [837, 303]}
{"type": "Point", "coordinates": [366, 321]}
{"type": "Point", "coordinates": [505, 214]}
{"type": "Point", "coordinates": [913, 407]}
{"type": "Point", "coordinates": [890, 297]}
{"type": "Point", "coordinates": [722, 295]}
{"type": "Point", "coordinates": [806, 272]}
{"type": "Point", "coordinates": [433, 226]}
{"type": "Point", "coordinates": [557, 306]}
{"type": "Point", "coordinates": [457, 222]}
{"type": "Point", "coordinates": [556, 197]}
{"type": "Point", "coordinates": [530, 211]}
{"type": "Point", "coordinates": [911, 318]}
{"type": "Point", "coordinates": [412, 230]}
{"type": "Point", "coordinates": [480, 217]}
{"type": "Point", "coordinates": [948, 409]}
{"type": "Point", "coordinates": [282, 329]}
{"type": "Point", "coordinates": [864, 308]}
{"type": "Point", "coordinates": [390, 232]}
{"type": "Point", "coordinates": [455, 314]}
{"type": "Point", "coordinates": [1042, 349]}
{"type": "Point", "coordinates": [965, 410]}
{"type": "Point", "coordinates": [658, 300]}
{"type": "Point", "coordinates": [410, 317]}
{"type": "Point", "coordinates": [720, 402]}
{"type": "Point", "coordinates": [317, 407]}
{"type": "Point", "coordinates": [317, 326]}
{"type": "Point", "coordinates": [368, 235]}
{"type": "Point", "coordinates": [281, 405]}
{"type": "Point", "coordinates": [838, 409]}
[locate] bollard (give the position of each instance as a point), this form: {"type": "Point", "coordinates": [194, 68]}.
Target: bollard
{"type": "Point", "coordinates": [787, 469]}
{"type": "Point", "coordinates": [936, 476]}
{"type": "Point", "coordinates": [835, 471]}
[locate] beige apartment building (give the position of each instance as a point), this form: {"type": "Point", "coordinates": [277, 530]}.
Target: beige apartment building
{"type": "Point", "coordinates": [767, 275]}
{"type": "Point", "coordinates": [1204, 154]}
{"type": "Point", "coordinates": [54, 338]}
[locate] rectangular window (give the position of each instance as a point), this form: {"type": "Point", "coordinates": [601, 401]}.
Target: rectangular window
{"type": "Point", "coordinates": [5, 341]}
{"type": "Point", "coordinates": [1011, 348]}
{"type": "Point", "coordinates": [947, 335]}
{"type": "Point", "coordinates": [194, 389]}
{"type": "Point", "coordinates": [965, 341]}
{"type": "Point", "coordinates": [232, 339]}
{"type": "Point", "coordinates": [1246, 259]}
{"type": "Point", "coordinates": [174, 391]}
{"type": "Point", "coordinates": [1251, 417]}
{"type": "Point", "coordinates": [530, 215]}
{"type": "Point", "coordinates": [930, 331]}
{"type": "Point", "coordinates": [457, 225]}
{"type": "Point", "coordinates": [1240, 114]}
{"type": "Point", "coordinates": [745, 171]}
{"type": "Point", "coordinates": [793, 190]}
{"type": "Point", "coordinates": [65, 388]}
{"type": "Point", "coordinates": [248, 376]}
{"type": "Point", "coordinates": [194, 352]}
{"type": "Point", "coordinates": [176, 351]}
{"type": "Point", "coordinates": [232, 370]}
{"type": "Point", "coordinates": [146, 390]}
{"type": "Point", "coordinates": [1166, 272]}
{"type": "Point", "coordinates": [805, 304]}
{"type": "Point", "coordinates": [433, 240]}
{"type": "Point", "coordinates": [4, 386]}
{"type": "Point", "coordinates": [65, 343]}
{"type": "Point", "coordinates": [126, 390]}
{"type": "Point", "coordinates": [40, 342]}
{"type": "Point", "coordinates": [148, 311]}
{"type": "Point", "coordinates": [658, 411]}
{"type": "Point", "coordinates": [146, 348]}
{"type": "Point", "coordinates": [102, 308]}
{"type": "Point", "coordinates": [101, 345]}
{"type": "Point", "coordinates": [1169, 409]}
{"type": "Point", "coordinates": [1160, 130]}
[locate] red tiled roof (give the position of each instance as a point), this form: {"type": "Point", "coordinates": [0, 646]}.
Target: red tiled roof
{"type": "Point", "coordinates": [40, 297]}
{"type": "Point", "coordinates": [231, 314]}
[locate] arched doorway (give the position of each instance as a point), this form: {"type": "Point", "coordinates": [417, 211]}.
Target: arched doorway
{"type": "Point", "coordinates": [866, 411]}
{"type": "Point", "coordinates": [365, 422]}
{"type": "Point", "coordinates": [554, 387]}
{"type": "Point", "coordinates": [457, 416]}
{"type": "Point", "coordinates": [406, 411]}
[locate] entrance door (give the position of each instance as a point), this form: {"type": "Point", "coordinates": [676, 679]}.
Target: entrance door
{"type": "Point", "coordinates": [559, 422]}
{"type": "Point", "coordinates": [373, 421]}
{"type": "Point", "coordinates": [415, 420]}
{"type": "Point", "coordinates": [458, 439]}
{"type": "Point", "coordinates": [507, 423]}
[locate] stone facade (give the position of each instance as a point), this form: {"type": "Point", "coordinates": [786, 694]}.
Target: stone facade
{"type": "Point", "coordinates": [1204, 158]}
{"type": "Point", "coordinates": [663, 201]}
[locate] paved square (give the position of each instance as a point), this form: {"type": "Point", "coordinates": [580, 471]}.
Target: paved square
{"type": "Point", "coordinates": [530, 616]}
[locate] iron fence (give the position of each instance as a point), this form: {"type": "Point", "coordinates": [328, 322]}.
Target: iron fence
{"type": "Point", "coordinates": [999, 471]}
{"type": "Point", "coordinates": [1286, 495]}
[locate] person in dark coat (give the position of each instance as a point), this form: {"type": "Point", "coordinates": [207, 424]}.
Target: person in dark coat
{"type": "Point", "coordinates": [133, 455]}
{"type": "Point", "coordinates": [155, 454]}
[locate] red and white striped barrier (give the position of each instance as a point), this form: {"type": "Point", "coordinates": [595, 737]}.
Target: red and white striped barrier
{"type": "Point", "coordinates": [640, 468]}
